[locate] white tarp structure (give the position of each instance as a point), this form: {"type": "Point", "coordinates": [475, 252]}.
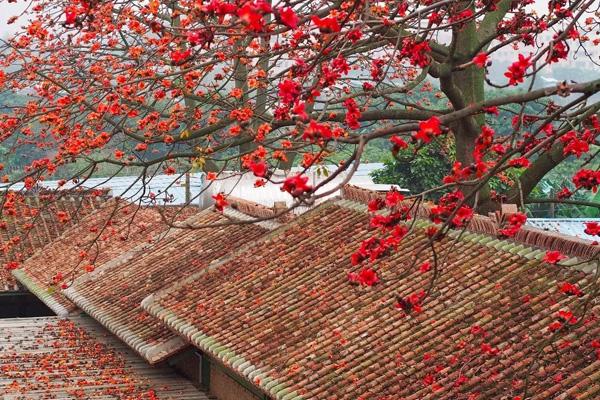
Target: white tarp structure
{"type": "Point", "coordinates": [566, 226]}
{"type": "Point", "coordinates": [171, 189]}
{"type": "Point", "coordinates": [164, 189]}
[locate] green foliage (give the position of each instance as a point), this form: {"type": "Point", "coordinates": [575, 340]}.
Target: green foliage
{"type": "Point", "coordinates": [418, 171]}
{"type": "Point", "coordinates": [559, 178]}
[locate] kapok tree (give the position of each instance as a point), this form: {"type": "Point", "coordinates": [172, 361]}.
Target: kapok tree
{"type": "Point", "coordinates": [255, 86]}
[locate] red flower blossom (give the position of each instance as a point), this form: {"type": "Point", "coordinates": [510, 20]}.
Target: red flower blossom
{"type": "Point", "coordinates": [574, 145]}
{"type": "Point", "coordinates": [516, 71]}
{"type": "Point", "coordinates": [296, 185]}
{"type": "Point", "coordinates": [559, 51]}
{"type": "Point", "coordinates": [567, 316]}
{"type": "Point", "coordinates": [354, 35]}
{"type": "Point", "coordinates": [326, 25]}
{"type": "Point", "coordinates": [515, 222]}
{"type": "Point", "coordinates": [428, 129]}
{"type": "Point", "coordinates": [353, 113]}
{"type": "Point", "coordinates": [411, 303]}
{"type": "Point", "coordinates": [486, 348]}
{"type": "Point", "coordinates": [252, 15]}
{"type": "Point", "coordinates": [179, 57]}
{"type": "Point", "coordinates": [448, 206]}
{"type": "Point", "coordinates": [553, 257]}
{"type": "Point", "coordinates": [520, 162]}
{"type": "Point", "coordinates": [493, 110]}
{"type": "Point", "coordinates": [416, 52]}
{"type": "Point", "coordinates": [592, 228]}
{"type": "Point", "coordinates": [11, 265]}
{"type": "Point", "coordinates": [376, 204]}
{"type": "Point", "coordinates": [366, 277]}
{"type": "Point", "coordinates": [481, 59]}
{"type": "Point", "coordinates": [393, 197]}
{"type": "Point", "coordinates": [288, 17]}
{"type": "Point", "coordinates": [289, 91]}
{"type": "Point", "coordinates": [220, 201]}
{"type": "Point", "coordinates": [426, 266]}
{"type": "Point", "coordinates": [588, 179]}
{"type": "Point", "coordinates": [70, 16]}
{"type": "Point", "coordinates": [398, 143]}
{"type": "Point", "coordinates": [570, 289]}
{"type": "Point", "coordinates": [564, 193]}
{"type": "Point", "coordinates": [259, 168]}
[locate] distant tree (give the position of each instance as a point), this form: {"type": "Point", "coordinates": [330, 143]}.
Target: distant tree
{"type": "Point", "coordinates": [418, 170]}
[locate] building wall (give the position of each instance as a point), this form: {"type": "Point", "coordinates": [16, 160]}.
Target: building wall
{"type": "Point", "coordinates": [207, 373]}
{"type": "Point", "coordinates": [188, 364]}
{"type": "Point", "coordinates": [223, 387]}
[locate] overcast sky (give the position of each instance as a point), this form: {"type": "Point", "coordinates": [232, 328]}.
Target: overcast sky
{"type": "Point", "coordinates": [8, 10]}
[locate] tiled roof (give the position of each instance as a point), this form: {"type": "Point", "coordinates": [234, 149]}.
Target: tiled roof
{"type": "Point", "coordinates": [34, 221]}
{"type": "Point", "coordinates": [55, 358]}
{"type": "Point", "coordinates": [283, 315]}
{"type": "Point", "coordinates": [115, 228]}
{"type": "Point", "coordinates": [113, 293]}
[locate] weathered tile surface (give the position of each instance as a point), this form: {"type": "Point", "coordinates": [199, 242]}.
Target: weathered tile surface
{"type": "Point", "coordinates": [114, 292]}
{"type": "Point", "coordinates": [114, 229]}
{"type": "Point", "coordinates": [282, 315]}
{"type": "Point", "coordinates": [33, 221]}
{"type": "Point", "coordinates": [74, 358]}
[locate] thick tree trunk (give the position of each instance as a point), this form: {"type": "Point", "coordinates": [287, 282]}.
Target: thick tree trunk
{"type": "Point", "coordinates": [464, 88]}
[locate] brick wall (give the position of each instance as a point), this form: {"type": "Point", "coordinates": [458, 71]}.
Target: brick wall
{"type": "Point", "coordinates": [224, 387]}
{"type": "Point", "coordinates": [188, 365]}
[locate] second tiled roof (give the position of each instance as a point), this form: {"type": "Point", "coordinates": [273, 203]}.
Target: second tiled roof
{"type": "Point", "coordinates": [115, 228]}
{"type": "Point", "coordinates": [113, 293]}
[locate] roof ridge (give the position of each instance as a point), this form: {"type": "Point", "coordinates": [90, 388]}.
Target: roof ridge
{"type": "Point", "coordinates": [569, 245]}
{"type": "Point", "coordinates": [256, 210]}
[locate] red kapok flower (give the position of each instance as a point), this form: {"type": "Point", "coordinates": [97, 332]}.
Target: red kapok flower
{"type": "Point", "coordinates": [592, 228]}
{"type": "Point", "coordinates": [259, 168]}
{"type": "Point", "coordinates": [296, 185]}
{"type": "Point", "coordinates": [252, 17]}
{"type": "Point", "coordinates": [588, 179]}
{"type": "Point", "coordinates": [366, 277]}
{"type": "Point", "coordinates": [398, 143]}
{"type": "Point", "coordinates": [428, 129]}
{"type": "Point", "coordinates": [326, 25]}
{"type": "Point", "coordinates": [70, 16]}
{"type": "Point", "coordinates": [426, 266]}
{"type": "Point", "coordinates": [393, 197]}
{"type": "Point", "coordinates": [11, 265]}
{"type": "Point", "coordinates": [520, 162]}
{"type": "Point", "coordinates": [516, 71]}
{"type": "Point", "coordinates": [179, 57]}
{"type": "Point", "coordinates": [289, 91]}
{"type": "Point", "coordinates": [288, 17]}
{"type": "Point", "coordinates": [376, 204]}
{"type": "Point", "coordinates": [554, 257]}
{"type": "Point", "coordinates": [411, 303]}
{"type": "Point", "coordinates": [220, 201]}
{"type": "Point", "coordinates": [564, 193]}
{"type": "Point", "coordinates": [570, 289]}
{"type": "Point", "coordinates": [481, 59]}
